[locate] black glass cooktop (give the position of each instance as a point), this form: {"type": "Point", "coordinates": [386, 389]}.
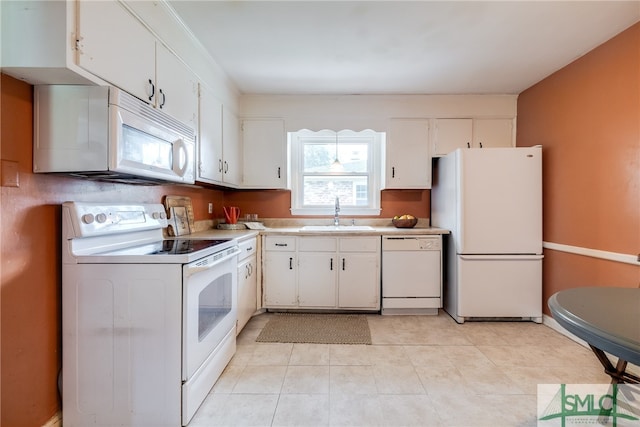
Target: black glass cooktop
{"type": "Point", "coordinates": [185, 246]}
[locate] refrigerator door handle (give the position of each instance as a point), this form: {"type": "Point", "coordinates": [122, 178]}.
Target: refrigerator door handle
{"type": "Point", "coordinates": [501, 257]}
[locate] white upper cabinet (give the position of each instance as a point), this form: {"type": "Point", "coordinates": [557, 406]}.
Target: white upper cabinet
{"type": "Point", "coordinates": [122, 54]}
{"type": "Point", "coordinates": [176, 86]}
{"type": "Point", "coordinates": [231, 161]}
{"type": "Point", "coordinates": [264, 153]}
{"type": "Point", "coordinates": [39, 42]}
{"type": "Point", "coordinates": [128, 56]}
{"type": "Point", "coordinates": [493, 133]}
{"type": "Point", "coordinates": [408, 160]}
{"type": "Point", "coordinates": [209, 138]}
{"type": "Point", "coordinates": [451, 134]}
{"type": "Point", "coordinates": [219, 145]}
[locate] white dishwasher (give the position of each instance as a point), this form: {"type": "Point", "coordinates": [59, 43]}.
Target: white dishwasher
{"type": "Point", "coordinates": [411, 274]}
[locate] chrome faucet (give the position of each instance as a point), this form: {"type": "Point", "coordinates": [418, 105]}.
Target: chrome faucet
{"type": "Point", "coordinates": [336, 216]}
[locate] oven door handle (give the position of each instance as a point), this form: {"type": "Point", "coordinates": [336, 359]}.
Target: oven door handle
{"type": "Point", "coordinates": [209, 262]}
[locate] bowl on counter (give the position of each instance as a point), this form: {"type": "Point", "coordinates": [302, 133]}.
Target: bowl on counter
{"type": "Point", "coordinates": [404, 223]}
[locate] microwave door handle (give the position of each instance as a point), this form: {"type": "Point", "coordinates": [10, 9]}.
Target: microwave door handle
{"type": "Point", "coordinates": [180, 148]}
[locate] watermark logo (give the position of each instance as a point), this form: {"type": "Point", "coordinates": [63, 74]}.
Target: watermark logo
{"type": "Point", "coordinates": [565, 405]}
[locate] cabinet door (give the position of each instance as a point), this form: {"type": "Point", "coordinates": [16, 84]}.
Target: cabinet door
{"type": "Point", "coordinates": [231, 166]}
{"type": "Point", "coordinates": [280, 279]}
{"type": "Point", "coordinates": [247, 288]}
{"type": "Point", "coordinates": [408, 159]}
{"type": "Point", "coordinates": [359, 280]}
{"type": "Point", "coordinates": [116, 47]}
{"type": "Point", "coordinates": [264, 153]}
{"type": "Point", "coordinates": [176, 86]}
{"type": "Point", "coordinates": [210, 138]}
{"type": "Point", "coordinates": [493, 133]}
{"type": "Point", "coordinates": [451, 134]}
{"type": "Point", "coordinates": [317, 279]}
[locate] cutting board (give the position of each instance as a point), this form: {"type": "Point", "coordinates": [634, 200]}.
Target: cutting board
{"type": "Point", "coordinates": [178, 224]}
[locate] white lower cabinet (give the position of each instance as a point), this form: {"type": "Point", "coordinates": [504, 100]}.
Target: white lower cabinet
{"type": "Point", "coordinates": [322, 272]}
{"type": "Point", "coordinates": [279, 272]}
{"type": "Point", "coordinates": [317, 272]}
{"type": "Point", "coordinates": [247, 282]}
{"type": "Point", "coordinates": [359, 281]}
{"type": "Point", "coordinates": [359, 273]}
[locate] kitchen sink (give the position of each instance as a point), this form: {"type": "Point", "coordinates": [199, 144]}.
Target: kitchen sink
{"type": "Point", "coordinates": [345, 228]}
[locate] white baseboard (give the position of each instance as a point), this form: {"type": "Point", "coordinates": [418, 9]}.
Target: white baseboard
{"type": "Point", "coordinates": [55, 421]}
{"type": "Point", "coordinates": [551, 322]}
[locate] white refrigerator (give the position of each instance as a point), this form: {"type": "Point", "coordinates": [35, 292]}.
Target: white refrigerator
{"type": "Point", "coordinates": [491, 201]}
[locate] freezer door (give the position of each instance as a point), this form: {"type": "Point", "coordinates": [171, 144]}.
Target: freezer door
{"type": "Point", "coordinates": [499, 201]}
{"type": "Point", "coordinates": [499, 286]}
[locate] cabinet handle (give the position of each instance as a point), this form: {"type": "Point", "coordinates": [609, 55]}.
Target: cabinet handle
{"type": "Point", "coordinates": [164, 98]}
{"type": "Point", "coordinates": [250, 248]}
{"type": "Point", "coordinates": [279, 172]}
{"type": "Point", "coordinates": [393, 171]}
{"type": "Point", "coordinates": [342, 264]}
{"type": "Point", "coordinates": [468, 145]}
{"type": "Point", "coordinates": [331, 264]}
{"type": "Point", "coordinates": [153, 90]}
{"type": "Point", "coordinates": [248, 271]}
{"type": "Point", "coordinates": [290, 263]}
{"type": "Point", "coordinates": [226, 167]}
{"type": "Point", "coordinates": [282, 244]}
{"type": "Point", "coordinates": [219, 165]}
{"type": "Point", "coordinates": [480, 144]}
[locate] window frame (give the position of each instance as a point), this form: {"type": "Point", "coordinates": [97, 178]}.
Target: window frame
{"type": "Point", "coordinates": [375, 141]}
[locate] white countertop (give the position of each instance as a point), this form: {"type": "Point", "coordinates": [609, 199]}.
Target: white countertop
{"type": "Point", "coordinates": [297, 230]}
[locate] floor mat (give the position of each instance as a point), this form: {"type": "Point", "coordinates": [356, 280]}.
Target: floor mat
{"type": "Point", "coordinates": [317, 329]}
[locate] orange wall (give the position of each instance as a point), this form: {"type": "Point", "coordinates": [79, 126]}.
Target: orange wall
{"type": "Point", "coordinates": [587, 118]}
{"type": "Point", "coordinates": [276, 203]}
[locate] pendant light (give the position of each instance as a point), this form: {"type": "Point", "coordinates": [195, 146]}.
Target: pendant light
{"type": "Point", "coordinates": [336, 166]}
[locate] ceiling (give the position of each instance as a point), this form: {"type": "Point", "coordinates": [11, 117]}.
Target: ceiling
{"type": "Point", "coordinates": [399, 47]}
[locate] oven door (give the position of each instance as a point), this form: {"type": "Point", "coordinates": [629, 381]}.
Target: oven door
{"type": "Point", "coordinates": [210, 306]}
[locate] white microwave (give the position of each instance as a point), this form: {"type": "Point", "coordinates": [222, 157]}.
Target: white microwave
{"type": "Point", "coordinates": [104, 133]}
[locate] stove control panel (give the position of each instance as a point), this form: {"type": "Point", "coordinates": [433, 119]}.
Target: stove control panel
{"type": "Point", "coordinates": [94, 219]}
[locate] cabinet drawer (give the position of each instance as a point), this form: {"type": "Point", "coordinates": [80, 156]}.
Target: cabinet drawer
{"type": "Point", "coordinates": [317, 244]}
{"type": "Point", "coordinates": [247, 248]}
{"type": "Point", "coordinates": [280, 243]}
{"type": "Point", "coordinates": [359, 244]}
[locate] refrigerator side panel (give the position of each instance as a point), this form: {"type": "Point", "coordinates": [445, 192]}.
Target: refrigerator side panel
{"type": "Point", "coordinates": [444, 193]}
{"type": "Point", "coordinates": [500, 286]}
{"type": "Point", "coordinates": [501, 201]}
{"type": "Point", "coordinates": [450, 293]}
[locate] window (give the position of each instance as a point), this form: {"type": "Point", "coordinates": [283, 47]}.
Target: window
{"type": "Point", "coordinates": [326, 165]}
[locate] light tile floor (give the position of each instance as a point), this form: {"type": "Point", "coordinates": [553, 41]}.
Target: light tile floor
{"type": "Point", "coordinates": [420, 371]}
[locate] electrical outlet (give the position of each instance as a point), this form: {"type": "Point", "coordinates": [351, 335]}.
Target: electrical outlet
{"type": "Point", "coordinates": [10, 176]}
{"type": "Point", "coordinates": [210, 208]}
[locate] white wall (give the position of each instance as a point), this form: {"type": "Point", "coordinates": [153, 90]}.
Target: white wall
{"type": "Point", "coordinates": [359, 112]}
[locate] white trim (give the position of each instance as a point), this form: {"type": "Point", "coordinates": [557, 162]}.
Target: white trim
{"type": "Point", "coordinates": [595, 253]}
{"type": "Point", "coordinates": [374, 140]}
{"type": "Point", "coordinates": [55, 421]}
{"type": "Point", "coordinates": [553, 324]}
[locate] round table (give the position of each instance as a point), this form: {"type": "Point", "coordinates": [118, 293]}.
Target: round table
{"type": "Point", "coordinates": [608, 319]}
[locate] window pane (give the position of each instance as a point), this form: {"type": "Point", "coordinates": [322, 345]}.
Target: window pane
{"type": "Point", "coordinates": [318, 157]}
{"type": "Point", "coordinates": [323, 190]}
